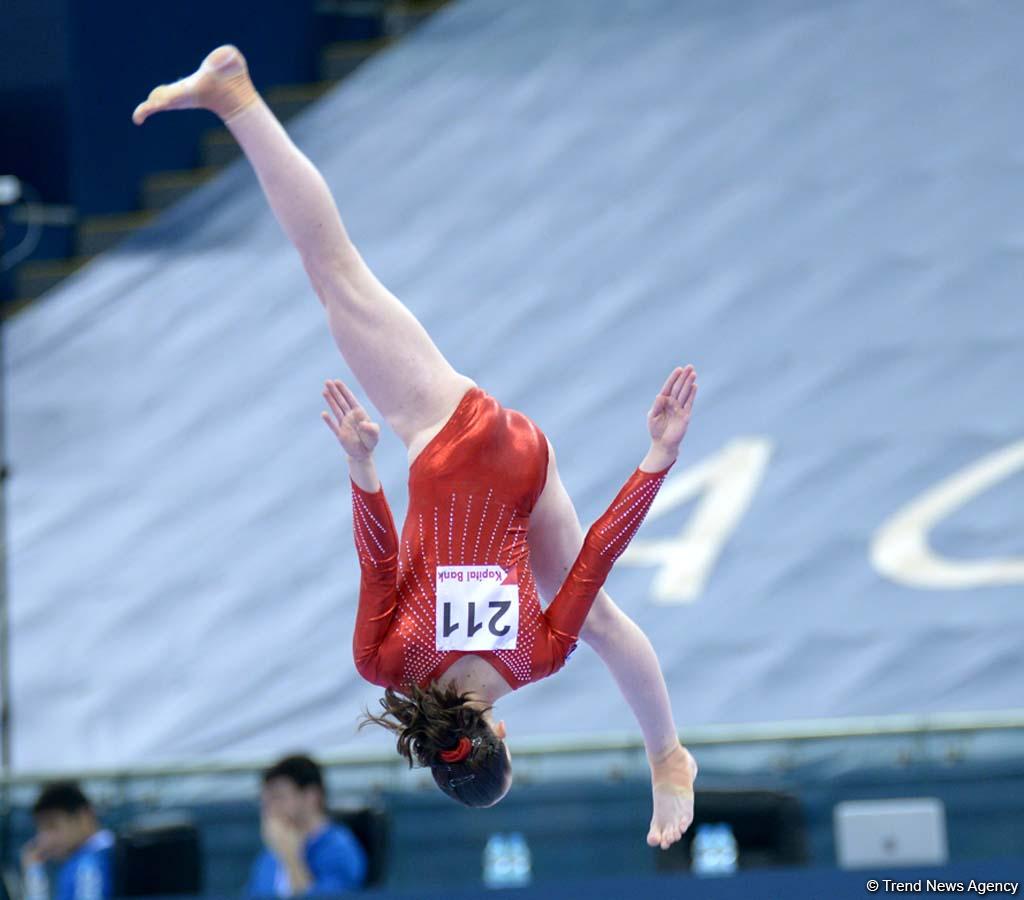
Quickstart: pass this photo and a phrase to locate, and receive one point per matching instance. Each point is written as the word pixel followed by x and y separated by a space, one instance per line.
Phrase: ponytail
pixel 436 727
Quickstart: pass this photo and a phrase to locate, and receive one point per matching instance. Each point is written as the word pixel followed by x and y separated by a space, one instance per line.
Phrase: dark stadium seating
pixel 155 857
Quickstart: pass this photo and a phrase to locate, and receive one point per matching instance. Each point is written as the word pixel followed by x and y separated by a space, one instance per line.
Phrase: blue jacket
pixel 336 860
pixel 88 873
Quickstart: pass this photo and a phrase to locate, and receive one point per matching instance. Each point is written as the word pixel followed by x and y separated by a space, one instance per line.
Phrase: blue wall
pixel 69 83
pixel 34 74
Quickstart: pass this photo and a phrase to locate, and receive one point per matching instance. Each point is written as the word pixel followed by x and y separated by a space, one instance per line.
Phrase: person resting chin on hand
pixel 69 833
pixel 305 852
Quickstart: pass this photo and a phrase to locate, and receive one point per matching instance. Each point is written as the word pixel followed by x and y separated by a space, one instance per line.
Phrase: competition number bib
pixel 477 608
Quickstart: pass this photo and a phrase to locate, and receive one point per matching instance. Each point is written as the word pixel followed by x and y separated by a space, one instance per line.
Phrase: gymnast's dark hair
pixel 429 722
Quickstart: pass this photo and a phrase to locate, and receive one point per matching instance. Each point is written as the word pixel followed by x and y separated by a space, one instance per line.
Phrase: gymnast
pixel 449 617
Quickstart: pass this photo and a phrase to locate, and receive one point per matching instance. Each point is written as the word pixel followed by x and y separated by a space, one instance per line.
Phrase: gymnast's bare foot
pixel 672 777
pixel 221 84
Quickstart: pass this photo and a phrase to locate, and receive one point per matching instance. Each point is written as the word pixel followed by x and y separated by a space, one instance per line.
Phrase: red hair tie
pixel 460 751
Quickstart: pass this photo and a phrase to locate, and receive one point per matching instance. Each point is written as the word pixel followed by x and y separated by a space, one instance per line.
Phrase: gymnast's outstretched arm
pixel 610 534
pixel 373 528
pixel 607 538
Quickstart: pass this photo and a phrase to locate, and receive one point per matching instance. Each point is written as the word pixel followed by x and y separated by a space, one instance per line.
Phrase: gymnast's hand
pixel 351 425
pixel 669 417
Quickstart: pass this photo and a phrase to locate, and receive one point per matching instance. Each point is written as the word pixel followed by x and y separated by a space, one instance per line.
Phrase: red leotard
pixel 471 491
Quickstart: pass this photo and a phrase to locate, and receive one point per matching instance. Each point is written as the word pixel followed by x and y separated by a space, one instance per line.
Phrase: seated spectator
pixel 305 852
pixel 68 832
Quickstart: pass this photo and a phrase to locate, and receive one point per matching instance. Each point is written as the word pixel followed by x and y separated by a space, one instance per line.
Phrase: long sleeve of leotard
pixel 377 545
pixel 607 538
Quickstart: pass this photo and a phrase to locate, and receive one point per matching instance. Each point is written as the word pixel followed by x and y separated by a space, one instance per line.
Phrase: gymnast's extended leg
pixel 390 353
pixel 556 537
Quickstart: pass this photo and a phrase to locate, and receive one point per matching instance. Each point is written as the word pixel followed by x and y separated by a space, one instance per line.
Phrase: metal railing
pixel 531 754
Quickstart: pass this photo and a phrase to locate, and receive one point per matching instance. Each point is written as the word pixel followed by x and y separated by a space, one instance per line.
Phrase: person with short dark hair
pixel 67 831
pixel 305 852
